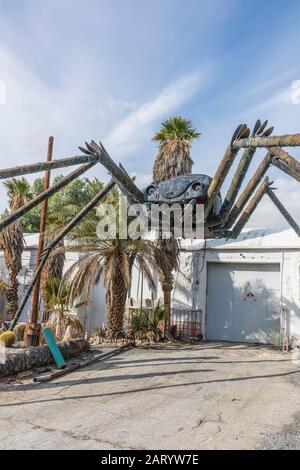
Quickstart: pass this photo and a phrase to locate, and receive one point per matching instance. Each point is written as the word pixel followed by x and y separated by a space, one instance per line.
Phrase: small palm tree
pixel 114 260
pixel 175 137
pixel 12 243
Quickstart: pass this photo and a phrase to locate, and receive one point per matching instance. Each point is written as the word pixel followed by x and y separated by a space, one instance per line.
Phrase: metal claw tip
pixel 95 146
pixel 85 151
pixel 262 128
pixel 237 132
pixel 268 132
pixel 256 127
pixel 245 133
pixel 89 147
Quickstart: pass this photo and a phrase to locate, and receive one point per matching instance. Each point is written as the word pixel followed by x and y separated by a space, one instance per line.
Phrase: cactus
pixel 7 338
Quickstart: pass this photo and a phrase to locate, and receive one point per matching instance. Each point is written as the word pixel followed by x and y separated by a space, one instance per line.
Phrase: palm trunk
pixel 116 304
pixel 53 270
pixel 167 287
pixel 11 294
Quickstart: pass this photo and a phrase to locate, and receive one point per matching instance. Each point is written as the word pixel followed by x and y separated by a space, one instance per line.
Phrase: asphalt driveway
pixel 207 396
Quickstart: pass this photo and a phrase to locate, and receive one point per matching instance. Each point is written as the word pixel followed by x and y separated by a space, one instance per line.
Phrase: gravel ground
pixel 206 396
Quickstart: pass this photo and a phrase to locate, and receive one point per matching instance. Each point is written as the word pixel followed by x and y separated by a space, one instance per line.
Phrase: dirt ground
pixel 206 396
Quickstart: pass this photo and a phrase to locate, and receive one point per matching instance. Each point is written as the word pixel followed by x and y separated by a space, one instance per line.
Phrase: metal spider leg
pixel 288 140
pixel 117 173
pixel 286 162
pixel 247 212
pixel 241 132
pixel 248 191
pixel 283 211
pixel 243 166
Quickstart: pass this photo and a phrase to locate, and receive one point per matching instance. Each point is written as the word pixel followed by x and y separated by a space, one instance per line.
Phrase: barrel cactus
pixel 7 338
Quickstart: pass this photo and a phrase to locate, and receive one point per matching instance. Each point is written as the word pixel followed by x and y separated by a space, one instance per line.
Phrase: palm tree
pixel 12 243
pixel 175 137
pixel 112 258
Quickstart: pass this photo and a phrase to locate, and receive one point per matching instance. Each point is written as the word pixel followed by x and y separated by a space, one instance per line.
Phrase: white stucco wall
pixel 190 292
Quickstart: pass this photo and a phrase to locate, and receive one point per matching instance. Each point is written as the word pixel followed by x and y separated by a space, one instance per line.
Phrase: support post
pixel 33 327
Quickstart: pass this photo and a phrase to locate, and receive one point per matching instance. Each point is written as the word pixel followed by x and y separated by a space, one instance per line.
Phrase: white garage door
pixel 243 302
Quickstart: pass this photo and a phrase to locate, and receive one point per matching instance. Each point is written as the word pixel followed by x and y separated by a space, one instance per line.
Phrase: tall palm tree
pixel 12 243
pixel 175 137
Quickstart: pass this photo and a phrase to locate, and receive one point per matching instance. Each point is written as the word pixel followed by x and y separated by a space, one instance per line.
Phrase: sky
pixel 112 70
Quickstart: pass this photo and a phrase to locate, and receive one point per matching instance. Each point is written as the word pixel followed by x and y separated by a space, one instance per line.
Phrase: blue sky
pixel 112 70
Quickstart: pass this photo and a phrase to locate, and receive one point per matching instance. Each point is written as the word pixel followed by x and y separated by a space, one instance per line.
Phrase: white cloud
pixel 282 97
pixel 136 128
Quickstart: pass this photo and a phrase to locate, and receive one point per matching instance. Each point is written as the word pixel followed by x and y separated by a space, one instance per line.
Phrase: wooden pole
pixel 33 329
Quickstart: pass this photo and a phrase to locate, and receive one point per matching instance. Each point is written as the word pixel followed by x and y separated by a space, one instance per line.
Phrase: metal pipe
pixel 79 365
pixel 56 241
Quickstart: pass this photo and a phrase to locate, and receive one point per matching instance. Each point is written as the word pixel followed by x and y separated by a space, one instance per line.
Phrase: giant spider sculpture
pixel 222 219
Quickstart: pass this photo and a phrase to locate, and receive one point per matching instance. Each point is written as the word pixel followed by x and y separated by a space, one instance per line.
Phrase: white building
pixel 236 290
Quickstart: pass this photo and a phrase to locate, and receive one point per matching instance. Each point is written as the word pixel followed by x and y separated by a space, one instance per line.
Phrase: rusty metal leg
pixel 288 140
pixel 286 162
pixel 283 211
pixel 248 211
pixel 248 191
pixel 243 166
pixel 224 168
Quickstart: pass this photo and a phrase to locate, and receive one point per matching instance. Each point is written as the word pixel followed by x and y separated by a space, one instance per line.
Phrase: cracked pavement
pixel 205 396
